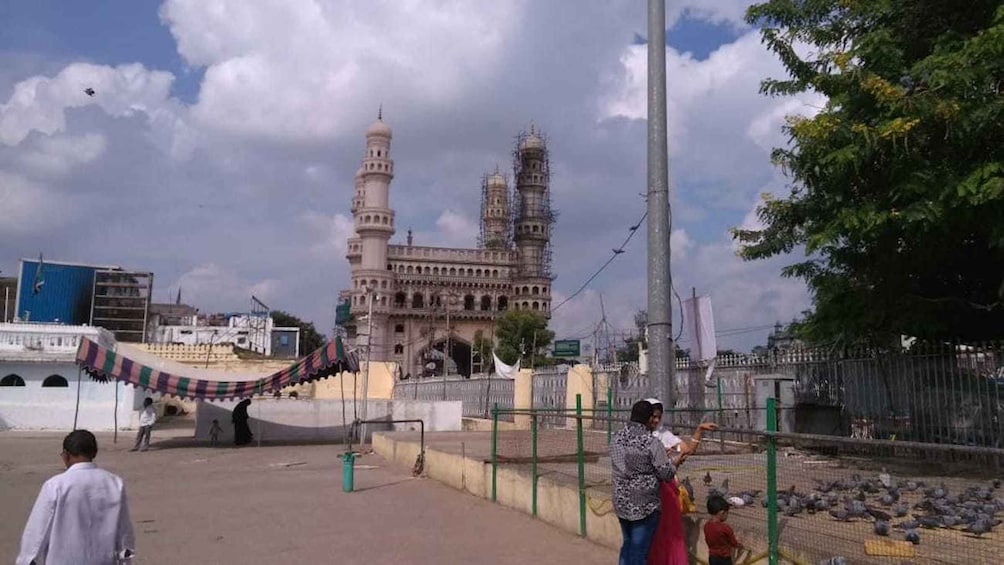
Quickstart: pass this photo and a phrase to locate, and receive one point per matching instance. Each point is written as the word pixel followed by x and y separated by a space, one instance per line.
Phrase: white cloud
pixel 224 288
pixel 457 229
pixel 721 130
pixel 40 103
pixel 57 155
pixel 27 206
pixel 289 70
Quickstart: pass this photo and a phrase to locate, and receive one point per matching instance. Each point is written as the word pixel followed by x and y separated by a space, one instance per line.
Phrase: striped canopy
pixel 141 369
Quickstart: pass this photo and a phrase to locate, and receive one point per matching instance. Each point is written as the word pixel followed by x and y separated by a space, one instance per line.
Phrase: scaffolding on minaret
pixel 531 167
pixel 496 218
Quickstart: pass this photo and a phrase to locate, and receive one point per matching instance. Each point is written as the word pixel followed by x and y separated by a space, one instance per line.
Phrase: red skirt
pixel 669 546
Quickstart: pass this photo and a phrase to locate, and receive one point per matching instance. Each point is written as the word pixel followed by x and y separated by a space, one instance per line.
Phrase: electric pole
pixel 662 362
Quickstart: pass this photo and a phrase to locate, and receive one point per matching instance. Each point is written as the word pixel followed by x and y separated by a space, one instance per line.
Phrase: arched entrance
pixel 459 358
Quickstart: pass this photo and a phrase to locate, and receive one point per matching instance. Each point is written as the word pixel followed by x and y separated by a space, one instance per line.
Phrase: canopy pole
pixel 115 415
pixel 259 412
pixel 76 409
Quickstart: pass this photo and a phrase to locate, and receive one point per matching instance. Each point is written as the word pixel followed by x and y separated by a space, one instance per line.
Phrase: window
pixel 503 303
pixel 536 290
pixel 284 340
pixel 12 380
pixel 55 381
pixel 486 303
pixel 399 300
pixel 398 349
pixel 417 301
pixel 469 302
pixel 399 329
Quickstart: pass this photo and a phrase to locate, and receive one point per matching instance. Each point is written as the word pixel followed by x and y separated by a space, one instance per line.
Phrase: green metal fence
pixel 807 499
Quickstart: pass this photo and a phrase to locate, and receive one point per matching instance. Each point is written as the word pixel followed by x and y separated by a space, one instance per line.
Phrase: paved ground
pixel 284 504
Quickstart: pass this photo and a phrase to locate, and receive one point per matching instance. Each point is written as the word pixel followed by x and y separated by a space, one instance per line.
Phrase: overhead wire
pixel 616 251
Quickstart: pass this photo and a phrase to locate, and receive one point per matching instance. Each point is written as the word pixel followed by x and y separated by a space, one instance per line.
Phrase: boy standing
pixel 718 535
pixel 147 418
pixel 214 432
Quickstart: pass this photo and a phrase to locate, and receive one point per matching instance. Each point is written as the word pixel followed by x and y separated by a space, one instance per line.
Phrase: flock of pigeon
pixel 884 502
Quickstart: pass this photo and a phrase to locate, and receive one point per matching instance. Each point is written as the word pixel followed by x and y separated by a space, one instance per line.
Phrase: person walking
pixel 147 418
pixel 81 516
pixel 240 417
pixel 639 465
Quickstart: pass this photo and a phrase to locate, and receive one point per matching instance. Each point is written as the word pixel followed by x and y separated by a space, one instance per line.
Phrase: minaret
pixel 374 225
pixel 532 224
pixel 495 212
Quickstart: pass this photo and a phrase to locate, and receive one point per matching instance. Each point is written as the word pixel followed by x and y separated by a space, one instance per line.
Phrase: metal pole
pixel 772 537
pixel 495 445
pixel 660 320
pixel 76 409
pixel 115 414
pixel 366 375
pixel 446 347
pixel 581 460
pixel 610 410
pixel 533 463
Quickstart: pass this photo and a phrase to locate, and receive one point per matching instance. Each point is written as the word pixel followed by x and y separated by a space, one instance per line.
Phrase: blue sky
pixel 237 140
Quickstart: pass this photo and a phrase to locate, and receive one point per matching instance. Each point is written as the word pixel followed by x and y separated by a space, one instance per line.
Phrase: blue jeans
pixel 638 536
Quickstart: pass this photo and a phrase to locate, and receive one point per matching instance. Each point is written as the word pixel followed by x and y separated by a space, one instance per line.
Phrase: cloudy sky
pixel 219 148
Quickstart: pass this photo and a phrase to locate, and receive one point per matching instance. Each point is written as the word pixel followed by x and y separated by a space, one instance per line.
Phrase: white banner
pixel 505 371
pixel 699 320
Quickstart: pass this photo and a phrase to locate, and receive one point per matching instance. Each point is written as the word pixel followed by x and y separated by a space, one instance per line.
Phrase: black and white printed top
pixel 639 464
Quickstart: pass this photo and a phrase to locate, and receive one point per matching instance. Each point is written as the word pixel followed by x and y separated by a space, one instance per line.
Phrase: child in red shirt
pixel 718 535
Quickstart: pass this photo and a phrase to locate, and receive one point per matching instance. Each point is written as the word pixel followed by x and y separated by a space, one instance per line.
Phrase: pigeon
pixel 929 522
pixel 878 514
pixel 979 527
pixel 900 509
pixel 996 483
pixel 912 536
pixel 885 479
pixel 881 528
pixel 89 91
pixel 834 561
pixel 908 525
pixel 707 478
pixel 841 515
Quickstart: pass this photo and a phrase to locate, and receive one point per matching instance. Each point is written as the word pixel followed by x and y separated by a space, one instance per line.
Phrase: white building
pixel 245 331
pixel 41 387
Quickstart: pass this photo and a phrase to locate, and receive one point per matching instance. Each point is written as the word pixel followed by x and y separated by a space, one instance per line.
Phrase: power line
pixel 616 251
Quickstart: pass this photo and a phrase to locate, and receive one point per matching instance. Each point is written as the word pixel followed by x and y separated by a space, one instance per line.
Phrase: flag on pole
pixel 505 371
pixel 39 282
pixel 178 299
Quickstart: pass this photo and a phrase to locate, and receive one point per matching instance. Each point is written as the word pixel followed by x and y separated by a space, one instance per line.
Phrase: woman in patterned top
pixel 639 465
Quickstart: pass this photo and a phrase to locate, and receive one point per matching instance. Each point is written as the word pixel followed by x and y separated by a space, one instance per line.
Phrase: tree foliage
pixel 898 182
pixel 522 333
pixel 310 339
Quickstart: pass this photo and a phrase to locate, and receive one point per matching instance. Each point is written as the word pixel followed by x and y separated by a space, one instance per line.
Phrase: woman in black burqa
pixel 242 431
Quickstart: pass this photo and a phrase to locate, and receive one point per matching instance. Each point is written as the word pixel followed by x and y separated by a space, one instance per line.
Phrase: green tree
pixel 310 339
pixel 522 330
pixel 898 182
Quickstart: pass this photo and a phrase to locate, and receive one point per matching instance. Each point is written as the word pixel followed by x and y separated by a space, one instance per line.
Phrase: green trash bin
pixel 348 471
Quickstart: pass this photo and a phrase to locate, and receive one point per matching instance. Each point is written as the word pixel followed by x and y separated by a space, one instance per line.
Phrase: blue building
pixel 56 292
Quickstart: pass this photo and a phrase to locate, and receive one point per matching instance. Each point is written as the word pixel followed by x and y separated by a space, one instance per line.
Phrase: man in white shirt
pixel 81 516
pixel 147 418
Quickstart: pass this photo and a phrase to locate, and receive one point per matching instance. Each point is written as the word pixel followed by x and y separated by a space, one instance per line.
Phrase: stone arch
pixel 55 381
pixel 12 380
pixel 486 303
pixel 503 303
pixel 469 302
